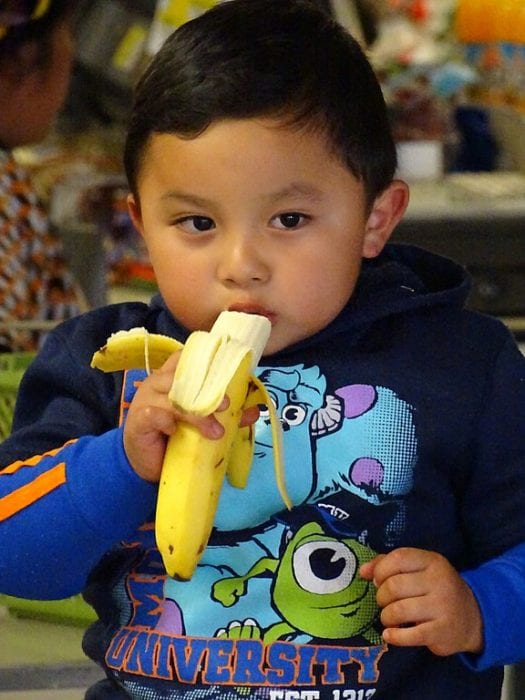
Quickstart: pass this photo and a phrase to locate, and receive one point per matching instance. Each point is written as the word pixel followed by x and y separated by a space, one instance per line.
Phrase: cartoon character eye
pixel 263 410
pixel 324 567
pixel 293 414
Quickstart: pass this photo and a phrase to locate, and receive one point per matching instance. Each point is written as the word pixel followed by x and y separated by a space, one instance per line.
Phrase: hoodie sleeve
pixel 67 491
pixel 499 588
pixel 494 512
pixel 62 510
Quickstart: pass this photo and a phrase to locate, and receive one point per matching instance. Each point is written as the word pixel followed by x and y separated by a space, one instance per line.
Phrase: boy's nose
pixel 242 262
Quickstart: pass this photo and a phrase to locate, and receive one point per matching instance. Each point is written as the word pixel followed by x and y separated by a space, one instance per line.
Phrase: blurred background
pixel 453 75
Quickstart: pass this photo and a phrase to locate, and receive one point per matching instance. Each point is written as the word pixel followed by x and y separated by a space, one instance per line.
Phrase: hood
pixel 405 277
pixel 402 278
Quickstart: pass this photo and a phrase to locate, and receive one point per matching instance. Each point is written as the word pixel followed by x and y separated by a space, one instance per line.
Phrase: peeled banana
pixel 212 364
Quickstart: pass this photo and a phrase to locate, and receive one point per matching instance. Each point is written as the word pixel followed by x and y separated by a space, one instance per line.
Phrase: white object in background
pixel 420 160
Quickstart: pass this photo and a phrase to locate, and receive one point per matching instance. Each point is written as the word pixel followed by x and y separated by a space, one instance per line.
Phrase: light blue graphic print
pixel 358 440
pixel 374 452
pixel 373 455
pixel 299 396
pixel 350 453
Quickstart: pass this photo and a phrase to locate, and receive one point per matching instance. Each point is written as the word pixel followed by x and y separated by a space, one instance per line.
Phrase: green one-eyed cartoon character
pixel 316 589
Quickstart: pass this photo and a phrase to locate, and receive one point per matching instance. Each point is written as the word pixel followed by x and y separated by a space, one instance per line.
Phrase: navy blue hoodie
pixel 403 425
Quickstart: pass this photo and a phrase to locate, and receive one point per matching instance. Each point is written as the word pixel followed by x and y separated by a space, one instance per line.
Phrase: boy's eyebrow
pixel 186 197
pixel 294 189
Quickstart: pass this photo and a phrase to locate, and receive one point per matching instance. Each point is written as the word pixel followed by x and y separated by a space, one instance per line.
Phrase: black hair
pixel 286 59
pixel 35 31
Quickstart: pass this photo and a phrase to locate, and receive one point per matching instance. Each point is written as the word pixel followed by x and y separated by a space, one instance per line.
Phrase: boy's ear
pixel 387 210
pixel 134 212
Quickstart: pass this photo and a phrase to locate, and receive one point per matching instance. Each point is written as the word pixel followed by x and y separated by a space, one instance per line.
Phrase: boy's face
pixel 252 216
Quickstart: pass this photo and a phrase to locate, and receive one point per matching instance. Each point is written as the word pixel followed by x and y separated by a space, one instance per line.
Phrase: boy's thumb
pixel 366 570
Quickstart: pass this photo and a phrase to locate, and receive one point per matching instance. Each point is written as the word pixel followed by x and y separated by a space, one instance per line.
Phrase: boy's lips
pixel 255 309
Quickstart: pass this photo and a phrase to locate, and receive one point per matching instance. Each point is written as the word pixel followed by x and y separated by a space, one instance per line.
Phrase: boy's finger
pixel 172 362
pixel 162 378
pixel 405 560
pixel 209 426
pixel 407 611
pixel 249 416
pixel 367 569
pixel 411 636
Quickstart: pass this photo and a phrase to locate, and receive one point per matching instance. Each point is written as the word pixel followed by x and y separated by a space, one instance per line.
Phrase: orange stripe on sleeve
pixel 33 461
pixel 28 494
pixel 124 405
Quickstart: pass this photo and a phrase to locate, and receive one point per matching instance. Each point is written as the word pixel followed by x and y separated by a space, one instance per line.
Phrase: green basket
pixel 12 367
pixel 72 610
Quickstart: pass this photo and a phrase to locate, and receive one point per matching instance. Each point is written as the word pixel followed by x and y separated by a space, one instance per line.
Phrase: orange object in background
pixel 475 21
pixel 493 32
pixel 487 21
pixel 419 10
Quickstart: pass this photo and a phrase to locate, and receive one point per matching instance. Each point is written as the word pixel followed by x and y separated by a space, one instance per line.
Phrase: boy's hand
pixel 151 419
pixel 425 602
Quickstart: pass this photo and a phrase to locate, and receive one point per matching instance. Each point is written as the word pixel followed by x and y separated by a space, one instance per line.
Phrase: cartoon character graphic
pixel 299 395
pixel 269 578
pixel 374 453
pixel 316 590
pixel 356 443
pixel 360 438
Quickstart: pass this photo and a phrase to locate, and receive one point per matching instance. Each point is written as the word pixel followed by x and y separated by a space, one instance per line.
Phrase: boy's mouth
pixel 255 309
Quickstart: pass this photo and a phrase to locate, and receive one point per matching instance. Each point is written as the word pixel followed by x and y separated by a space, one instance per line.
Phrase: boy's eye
pixel 290 220
pixel 193 224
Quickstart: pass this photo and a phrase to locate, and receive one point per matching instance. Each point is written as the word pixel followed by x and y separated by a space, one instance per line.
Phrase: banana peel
pixel 134 349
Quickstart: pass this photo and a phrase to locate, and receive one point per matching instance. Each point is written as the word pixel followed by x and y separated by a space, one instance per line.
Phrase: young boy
pixel 261 167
